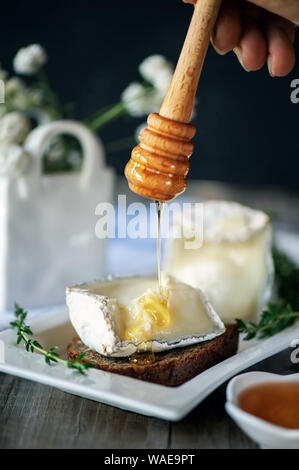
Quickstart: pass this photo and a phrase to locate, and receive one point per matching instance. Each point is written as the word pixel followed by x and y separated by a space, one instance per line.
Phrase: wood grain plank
pixel 132 431
pixel 36 416
pixel 209 427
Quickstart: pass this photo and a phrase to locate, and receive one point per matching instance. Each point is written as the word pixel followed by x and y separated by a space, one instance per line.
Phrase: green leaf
pixel 27 330
pixel 80 367
pixel 80 357
pixel 54 354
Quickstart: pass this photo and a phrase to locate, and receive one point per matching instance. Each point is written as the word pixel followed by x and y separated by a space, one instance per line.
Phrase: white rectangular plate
pixel 171 403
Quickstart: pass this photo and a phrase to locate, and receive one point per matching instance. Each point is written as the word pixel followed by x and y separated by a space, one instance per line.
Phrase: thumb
pixel 288 9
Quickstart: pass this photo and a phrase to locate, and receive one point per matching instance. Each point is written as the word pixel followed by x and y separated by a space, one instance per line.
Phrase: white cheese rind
pixel 98 319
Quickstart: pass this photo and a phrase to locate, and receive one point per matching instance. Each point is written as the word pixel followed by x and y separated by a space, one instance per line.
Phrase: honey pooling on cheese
pixel 150 315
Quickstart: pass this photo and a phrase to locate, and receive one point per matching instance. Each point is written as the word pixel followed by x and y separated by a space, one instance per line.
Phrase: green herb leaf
pixel 51 355
pixel 285 312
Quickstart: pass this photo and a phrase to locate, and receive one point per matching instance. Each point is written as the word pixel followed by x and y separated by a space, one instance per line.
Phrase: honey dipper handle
pixel 178 102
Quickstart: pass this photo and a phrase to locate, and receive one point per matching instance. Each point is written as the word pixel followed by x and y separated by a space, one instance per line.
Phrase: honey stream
pixel 148 357
pixel 159 208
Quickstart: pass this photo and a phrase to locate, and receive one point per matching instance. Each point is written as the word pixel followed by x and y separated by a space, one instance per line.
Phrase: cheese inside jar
pixel 233 266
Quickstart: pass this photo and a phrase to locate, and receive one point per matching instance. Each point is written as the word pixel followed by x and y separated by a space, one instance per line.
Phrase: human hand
pixel 258 31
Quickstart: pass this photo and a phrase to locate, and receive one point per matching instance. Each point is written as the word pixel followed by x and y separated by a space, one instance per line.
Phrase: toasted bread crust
pixel 172 367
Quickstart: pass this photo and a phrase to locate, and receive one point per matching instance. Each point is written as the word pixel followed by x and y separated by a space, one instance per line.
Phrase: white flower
pixel 158 71
pixel 133 99
pixel 30 59
pixel 13 128
pixel 15 93
pixel 13 160
pixel 162 80
pixel 138 102
pixel 21 97
pixel 134 91
pixel 14 85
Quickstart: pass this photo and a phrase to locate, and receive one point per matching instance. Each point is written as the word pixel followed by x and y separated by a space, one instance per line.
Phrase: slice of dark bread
pixel 172 367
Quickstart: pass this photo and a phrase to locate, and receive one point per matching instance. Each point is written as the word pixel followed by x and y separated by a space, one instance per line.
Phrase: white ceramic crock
pixel 47 222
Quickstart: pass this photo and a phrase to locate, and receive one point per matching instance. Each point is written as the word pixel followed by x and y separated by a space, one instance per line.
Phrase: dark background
pixel 247 125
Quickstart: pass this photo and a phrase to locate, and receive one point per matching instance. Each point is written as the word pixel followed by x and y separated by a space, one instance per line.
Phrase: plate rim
pixel 186 394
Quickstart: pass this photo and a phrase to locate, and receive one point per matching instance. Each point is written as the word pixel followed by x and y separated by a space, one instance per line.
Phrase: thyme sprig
pixel 275 318
pixel 283 313
pixel 51 355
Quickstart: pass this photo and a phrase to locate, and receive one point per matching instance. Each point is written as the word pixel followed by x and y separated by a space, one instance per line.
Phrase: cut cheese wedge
pixel 121 316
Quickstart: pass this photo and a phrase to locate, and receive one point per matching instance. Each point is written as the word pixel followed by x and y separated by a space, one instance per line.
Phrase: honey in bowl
pixel 275 402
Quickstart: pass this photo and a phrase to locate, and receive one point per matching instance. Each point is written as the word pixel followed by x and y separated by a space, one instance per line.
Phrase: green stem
pixel 32 345
pixel 112 113
pixel 265 327
pixel 41 350
pixel 98 113
pixel 49 94
pixel 102 117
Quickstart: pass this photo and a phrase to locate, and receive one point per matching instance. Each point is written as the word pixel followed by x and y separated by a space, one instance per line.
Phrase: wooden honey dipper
pixel 159 164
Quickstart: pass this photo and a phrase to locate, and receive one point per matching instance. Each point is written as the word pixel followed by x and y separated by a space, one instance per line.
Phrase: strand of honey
pixel 159 208
pixel 139 358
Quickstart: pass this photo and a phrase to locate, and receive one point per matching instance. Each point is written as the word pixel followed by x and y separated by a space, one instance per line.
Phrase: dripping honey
pixel 154 304
pixel 142 358
pixel 277 403
pixel 159 207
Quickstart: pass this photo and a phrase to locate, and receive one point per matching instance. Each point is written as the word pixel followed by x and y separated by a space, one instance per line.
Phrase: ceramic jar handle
pixel 92 148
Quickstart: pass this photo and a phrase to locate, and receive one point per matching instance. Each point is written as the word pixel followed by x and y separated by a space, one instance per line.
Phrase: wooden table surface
pixel 38 416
